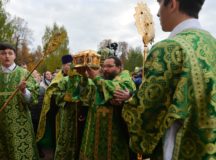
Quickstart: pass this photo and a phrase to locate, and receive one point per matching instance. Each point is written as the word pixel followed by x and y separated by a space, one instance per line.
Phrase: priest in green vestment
pixel 49 123
pixel 16 130
pixel 72 120
pixel 173 115
pixel 105 135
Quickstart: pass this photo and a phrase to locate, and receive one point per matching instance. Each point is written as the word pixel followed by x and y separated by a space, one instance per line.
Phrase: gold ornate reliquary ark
pixel 87 58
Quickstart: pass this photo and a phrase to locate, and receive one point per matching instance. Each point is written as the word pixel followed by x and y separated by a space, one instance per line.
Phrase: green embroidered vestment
pixel 105 135
pixel 179 85
pixel 17 139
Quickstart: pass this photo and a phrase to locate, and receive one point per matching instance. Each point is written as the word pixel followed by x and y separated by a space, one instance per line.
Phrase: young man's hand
pixel 22 86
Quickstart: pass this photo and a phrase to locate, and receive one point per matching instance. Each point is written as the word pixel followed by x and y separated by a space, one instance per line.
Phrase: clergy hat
pixel 66 59
pixel 4 46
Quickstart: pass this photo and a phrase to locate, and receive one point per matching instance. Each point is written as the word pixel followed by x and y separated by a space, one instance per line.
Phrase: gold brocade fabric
pixel 17 139
pixel 105 134
pixel 179 85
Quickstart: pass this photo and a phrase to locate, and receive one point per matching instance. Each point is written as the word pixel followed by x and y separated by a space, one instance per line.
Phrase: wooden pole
pixel 17 89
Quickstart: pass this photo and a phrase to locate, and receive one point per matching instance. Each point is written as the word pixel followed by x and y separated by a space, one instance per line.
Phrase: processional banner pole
pixel 145 27
pixel 54 42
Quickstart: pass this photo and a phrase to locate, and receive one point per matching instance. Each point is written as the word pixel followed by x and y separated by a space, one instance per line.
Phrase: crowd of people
pixel 165 110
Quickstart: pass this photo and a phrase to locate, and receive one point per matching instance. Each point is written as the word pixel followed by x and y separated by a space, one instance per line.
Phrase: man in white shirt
pixel 17 139
pixel 173 116
pixel 7 57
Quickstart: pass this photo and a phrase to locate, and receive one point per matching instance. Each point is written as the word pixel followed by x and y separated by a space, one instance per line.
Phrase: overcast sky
pixel 88 22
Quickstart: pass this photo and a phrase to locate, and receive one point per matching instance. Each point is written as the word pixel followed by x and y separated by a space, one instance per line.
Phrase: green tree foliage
pixel 53 60
pixel 135 59
pixel 6 25
pixel 16 32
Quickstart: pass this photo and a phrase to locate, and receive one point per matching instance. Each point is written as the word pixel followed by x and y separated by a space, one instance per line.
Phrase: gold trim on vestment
pixel 103 111
pixel 199 87
pixel 5 93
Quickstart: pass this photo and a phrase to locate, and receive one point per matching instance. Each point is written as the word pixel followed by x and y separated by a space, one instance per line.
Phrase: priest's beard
pixel 110 76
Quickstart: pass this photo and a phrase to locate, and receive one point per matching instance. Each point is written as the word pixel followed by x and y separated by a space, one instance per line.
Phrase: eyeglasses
pixel 108 66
